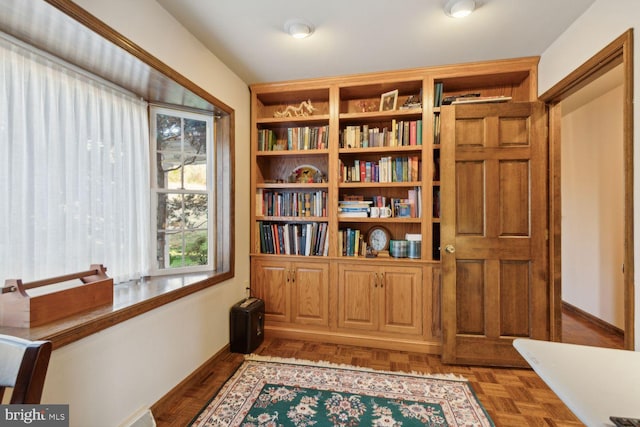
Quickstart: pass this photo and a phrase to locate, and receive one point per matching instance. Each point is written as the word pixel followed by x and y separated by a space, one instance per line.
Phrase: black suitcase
pixel 246 325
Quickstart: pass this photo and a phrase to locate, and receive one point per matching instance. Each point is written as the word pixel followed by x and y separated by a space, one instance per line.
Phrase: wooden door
pixel 357 297
pixel 401 302
pixel 271 284
pixel 310 293
pixel 493 236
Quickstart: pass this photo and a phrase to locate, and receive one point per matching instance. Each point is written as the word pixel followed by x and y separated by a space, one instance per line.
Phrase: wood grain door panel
pixel 357 298
pixel 494 219
pixel 272 286
pixel 401 306
pixel 310 299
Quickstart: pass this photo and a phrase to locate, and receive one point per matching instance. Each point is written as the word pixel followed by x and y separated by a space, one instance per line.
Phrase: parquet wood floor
pixel 512 397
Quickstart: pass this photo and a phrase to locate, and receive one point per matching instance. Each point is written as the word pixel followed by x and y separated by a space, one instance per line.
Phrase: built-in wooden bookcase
pixel 365 153
pixel 290 165
pixel 380 158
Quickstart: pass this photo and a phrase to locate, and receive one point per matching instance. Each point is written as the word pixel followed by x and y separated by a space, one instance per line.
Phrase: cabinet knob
pixel 449 249
pixel 293 276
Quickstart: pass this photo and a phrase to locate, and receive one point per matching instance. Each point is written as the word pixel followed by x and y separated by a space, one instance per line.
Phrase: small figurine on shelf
pixel 371 253
pixel 319 177
pixel 366 106
pixel 413 101
pixel 303 110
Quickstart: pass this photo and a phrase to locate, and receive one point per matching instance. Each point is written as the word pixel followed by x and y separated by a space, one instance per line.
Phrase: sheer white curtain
pixel 74 171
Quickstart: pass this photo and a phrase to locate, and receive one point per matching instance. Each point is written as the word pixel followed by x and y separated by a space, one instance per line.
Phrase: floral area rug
pixel 271 392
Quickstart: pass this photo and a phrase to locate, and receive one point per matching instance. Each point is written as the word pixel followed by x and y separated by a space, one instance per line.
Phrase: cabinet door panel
pixel 357 302
pixel 271 285
pixel 401 308
pixel 310 294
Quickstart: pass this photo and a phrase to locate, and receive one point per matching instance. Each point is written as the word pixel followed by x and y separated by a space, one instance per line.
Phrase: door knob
pixel 449 249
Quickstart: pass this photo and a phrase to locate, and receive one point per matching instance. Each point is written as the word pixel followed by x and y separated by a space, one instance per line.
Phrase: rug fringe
pixel 326 364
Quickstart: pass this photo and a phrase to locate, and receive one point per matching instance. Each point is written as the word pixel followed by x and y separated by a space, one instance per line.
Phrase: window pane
pixel 170 170
pixel 170 212
pixel 195 137
pixel 182 249
pixel 195 174
pixel 196 248
pixel 169 133
pixel 182 211
pixel 195 210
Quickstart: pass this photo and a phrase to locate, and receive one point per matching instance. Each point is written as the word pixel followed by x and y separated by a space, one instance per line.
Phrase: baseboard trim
pixel 371 341
pixel 592 319
pixel 195 377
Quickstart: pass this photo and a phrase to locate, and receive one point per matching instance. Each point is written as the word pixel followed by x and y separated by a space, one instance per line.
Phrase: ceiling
pixel 362 36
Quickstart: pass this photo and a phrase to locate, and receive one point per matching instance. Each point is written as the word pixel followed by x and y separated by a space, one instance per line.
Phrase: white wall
pixel 593 207
pixel 603 22
pixel 111 375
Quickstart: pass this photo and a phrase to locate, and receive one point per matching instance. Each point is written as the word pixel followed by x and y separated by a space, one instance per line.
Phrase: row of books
pixel 401 133
pixel 387 169
pixel 409 207
pixel 308 239
pixel 294 138
pixel 351 242
pixel 291 203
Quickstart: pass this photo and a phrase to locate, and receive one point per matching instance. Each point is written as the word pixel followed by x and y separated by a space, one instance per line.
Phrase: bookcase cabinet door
pixel 271 284
pixel 293 292
pixel 401 300
pixel 385 299
pixel 357 297
pixel 310 293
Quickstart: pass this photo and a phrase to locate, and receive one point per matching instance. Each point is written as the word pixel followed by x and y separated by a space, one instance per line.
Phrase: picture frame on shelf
pixel 389 100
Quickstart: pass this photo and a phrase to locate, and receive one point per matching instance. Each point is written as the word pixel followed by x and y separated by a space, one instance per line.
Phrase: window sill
pixel 129 300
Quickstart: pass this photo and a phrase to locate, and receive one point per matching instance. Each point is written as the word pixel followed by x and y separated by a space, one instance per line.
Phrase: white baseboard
pixel 143 418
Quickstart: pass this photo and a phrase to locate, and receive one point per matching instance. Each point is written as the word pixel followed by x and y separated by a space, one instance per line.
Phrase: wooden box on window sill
pixel 19 309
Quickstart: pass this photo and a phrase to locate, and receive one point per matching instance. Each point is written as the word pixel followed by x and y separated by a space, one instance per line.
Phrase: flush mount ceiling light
pixel 298 28
pixel 459 8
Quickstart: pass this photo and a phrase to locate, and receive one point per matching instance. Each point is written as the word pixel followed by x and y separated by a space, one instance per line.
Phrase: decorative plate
pixel 305 174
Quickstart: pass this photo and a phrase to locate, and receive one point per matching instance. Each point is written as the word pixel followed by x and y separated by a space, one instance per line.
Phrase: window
pixel 86 180
pixel 182 190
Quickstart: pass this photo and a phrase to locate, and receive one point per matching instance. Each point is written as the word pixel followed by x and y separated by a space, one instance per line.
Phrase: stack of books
pixel 353 208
